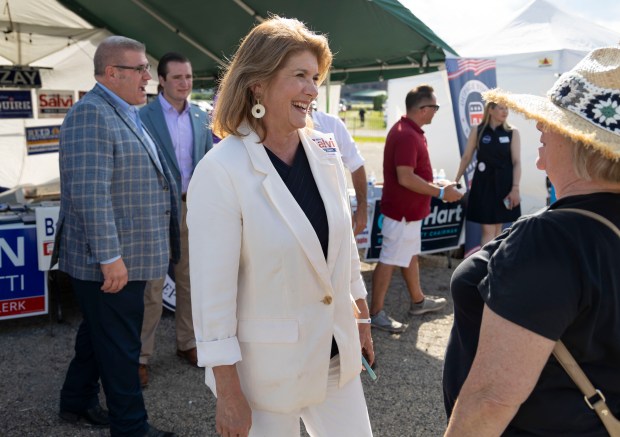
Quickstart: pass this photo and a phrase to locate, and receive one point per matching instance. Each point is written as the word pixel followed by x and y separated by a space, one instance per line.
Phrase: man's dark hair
pixel 162 67
pixel 417 95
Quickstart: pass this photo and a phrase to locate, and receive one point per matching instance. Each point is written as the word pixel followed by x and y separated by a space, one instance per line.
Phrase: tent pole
pixel 178 31
pixel 18 35
pixel 249 10
pixel 327 84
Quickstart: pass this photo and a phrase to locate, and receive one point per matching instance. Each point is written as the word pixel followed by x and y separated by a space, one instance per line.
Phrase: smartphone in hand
pixel 371 372
pixel 507 203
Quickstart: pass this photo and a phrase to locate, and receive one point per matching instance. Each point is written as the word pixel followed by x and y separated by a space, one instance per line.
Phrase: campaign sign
pixel 441 229
pixel 17 76
pixel 169 292
pixel 42 139
pixel 468 79
pixel 54 103
pixel 47 218
pixel 15 104
pixel 23 289
pixel 376 237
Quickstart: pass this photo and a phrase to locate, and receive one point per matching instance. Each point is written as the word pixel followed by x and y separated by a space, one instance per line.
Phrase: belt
pixel 184 197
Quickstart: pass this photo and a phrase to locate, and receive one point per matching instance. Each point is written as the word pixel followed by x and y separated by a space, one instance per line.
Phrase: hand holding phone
pixel 507 203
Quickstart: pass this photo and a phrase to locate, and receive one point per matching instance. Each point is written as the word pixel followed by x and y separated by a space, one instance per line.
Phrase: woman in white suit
pixel 278 300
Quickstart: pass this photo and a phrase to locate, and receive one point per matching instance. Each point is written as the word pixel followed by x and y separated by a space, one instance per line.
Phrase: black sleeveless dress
pixel 492 179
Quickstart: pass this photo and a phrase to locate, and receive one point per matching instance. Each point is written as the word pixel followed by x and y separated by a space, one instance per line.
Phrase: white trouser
pixel 343 413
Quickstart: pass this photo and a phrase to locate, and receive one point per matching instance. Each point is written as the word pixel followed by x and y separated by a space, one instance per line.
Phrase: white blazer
pixel 263 295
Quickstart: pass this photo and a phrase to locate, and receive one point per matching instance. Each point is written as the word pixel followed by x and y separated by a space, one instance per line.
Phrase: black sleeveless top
pixel 299 180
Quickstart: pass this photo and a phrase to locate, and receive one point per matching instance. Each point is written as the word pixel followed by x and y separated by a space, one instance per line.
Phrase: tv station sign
pixel 16 76
pixel 23 289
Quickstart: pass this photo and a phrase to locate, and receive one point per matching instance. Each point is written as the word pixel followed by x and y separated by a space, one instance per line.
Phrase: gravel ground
pixel 405 401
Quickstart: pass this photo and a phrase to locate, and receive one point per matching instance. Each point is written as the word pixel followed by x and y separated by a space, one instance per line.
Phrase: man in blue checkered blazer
pixel 118 228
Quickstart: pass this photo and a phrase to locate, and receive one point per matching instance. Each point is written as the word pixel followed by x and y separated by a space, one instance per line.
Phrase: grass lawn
pixel 362 139
pixel 373 119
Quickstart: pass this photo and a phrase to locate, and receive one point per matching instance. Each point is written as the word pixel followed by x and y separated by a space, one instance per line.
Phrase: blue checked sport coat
pixel 116 199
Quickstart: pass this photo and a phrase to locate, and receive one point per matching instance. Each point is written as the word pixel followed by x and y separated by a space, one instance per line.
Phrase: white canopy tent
pixel 34 29
pixel 42 33
pixel 531 51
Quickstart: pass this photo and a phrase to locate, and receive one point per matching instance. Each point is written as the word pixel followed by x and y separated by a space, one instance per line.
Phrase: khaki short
pixel 401 241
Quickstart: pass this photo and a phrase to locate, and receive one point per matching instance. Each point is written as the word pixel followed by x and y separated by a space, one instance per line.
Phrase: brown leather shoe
pixel 190 355
pixel 143 371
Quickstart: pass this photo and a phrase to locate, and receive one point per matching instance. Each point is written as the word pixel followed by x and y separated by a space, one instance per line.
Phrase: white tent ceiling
pixel 34 29
pixel 64 45
pixel 539 26
pixel 530 51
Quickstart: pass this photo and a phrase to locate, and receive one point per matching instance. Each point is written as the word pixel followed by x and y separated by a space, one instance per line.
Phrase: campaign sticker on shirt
pixel 482 166
pixel 327 144
pixel 504 140
pixel 486 139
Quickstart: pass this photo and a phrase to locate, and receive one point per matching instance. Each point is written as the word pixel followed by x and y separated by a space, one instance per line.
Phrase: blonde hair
pixel 259 57
pixel 486 119
pixel 590 164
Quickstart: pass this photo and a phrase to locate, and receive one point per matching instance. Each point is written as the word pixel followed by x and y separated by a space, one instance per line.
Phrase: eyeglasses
pixel 140 68
pixel 435 107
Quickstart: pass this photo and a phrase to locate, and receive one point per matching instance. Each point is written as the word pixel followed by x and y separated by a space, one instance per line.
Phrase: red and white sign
pixel 54 103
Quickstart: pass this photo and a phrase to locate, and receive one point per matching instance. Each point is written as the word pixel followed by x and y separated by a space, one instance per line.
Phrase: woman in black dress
pixel 494 194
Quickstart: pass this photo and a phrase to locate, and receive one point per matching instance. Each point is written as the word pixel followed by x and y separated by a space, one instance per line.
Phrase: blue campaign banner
pixel 468 79
pixel 15 104
pixel 22 284
pixel 19 76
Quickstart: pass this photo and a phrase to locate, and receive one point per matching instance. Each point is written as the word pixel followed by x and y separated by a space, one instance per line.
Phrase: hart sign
pixel 23 291
pixel 441 230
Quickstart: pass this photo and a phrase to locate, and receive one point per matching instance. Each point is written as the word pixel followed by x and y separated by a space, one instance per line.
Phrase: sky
pixel 470 18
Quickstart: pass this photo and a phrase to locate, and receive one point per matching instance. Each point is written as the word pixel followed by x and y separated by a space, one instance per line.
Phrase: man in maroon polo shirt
pixel 407 190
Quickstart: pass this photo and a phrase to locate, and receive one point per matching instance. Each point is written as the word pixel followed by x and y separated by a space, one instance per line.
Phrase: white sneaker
pixel 382 321
pixel 428 305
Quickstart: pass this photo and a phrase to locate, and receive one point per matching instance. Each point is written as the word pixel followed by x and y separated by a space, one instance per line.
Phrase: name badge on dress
pixel 504 140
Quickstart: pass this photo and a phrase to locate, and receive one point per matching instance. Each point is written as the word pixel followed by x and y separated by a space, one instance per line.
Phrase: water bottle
pixel 441 174
pixel 371 185
pixel 435 176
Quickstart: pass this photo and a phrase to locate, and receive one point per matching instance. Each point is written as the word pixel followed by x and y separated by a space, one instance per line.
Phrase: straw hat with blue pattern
pixel 583 104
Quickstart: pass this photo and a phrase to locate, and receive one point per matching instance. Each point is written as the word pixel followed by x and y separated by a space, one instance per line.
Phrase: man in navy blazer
pixel 181 130
pixel 118 228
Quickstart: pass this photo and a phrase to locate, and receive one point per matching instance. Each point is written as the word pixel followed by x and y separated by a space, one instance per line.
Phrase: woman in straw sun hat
pixel 551 276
